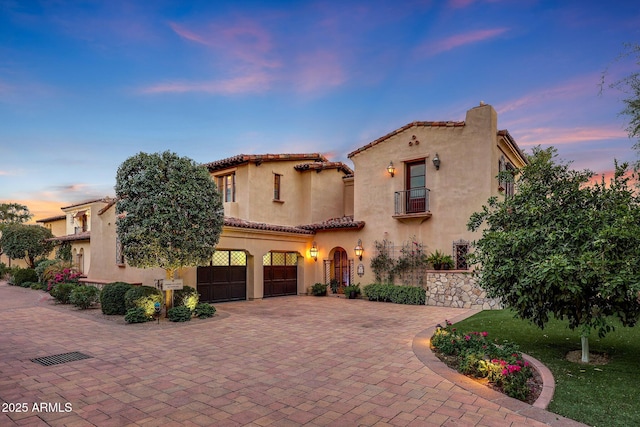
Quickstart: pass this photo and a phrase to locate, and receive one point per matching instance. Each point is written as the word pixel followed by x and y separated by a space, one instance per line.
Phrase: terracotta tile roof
pixel 102 199
pixel 52 218
pixel 319 166
pixel 241 159
pixel 404 128
pixel 242 223
pixel 72 237
pixel 345 222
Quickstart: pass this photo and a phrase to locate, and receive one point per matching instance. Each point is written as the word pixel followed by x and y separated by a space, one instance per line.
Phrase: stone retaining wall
pixel 457 289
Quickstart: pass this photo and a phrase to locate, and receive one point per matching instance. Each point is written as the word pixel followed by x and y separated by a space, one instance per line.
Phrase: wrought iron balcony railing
pixel 412 201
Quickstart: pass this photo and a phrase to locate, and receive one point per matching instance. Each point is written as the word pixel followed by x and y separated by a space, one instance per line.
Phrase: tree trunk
pixel 584 339
pixel 168 295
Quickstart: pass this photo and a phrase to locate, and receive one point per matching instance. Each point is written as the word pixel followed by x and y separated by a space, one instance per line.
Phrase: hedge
pixel 397 294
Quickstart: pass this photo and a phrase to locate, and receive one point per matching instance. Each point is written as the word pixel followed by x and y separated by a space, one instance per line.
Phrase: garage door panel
pixel 220 283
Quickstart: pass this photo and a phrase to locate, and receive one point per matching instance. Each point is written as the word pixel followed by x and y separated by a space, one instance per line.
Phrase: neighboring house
pixel 292 220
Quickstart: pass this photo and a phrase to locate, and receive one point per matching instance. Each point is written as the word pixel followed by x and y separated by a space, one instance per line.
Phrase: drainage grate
pixel 57 359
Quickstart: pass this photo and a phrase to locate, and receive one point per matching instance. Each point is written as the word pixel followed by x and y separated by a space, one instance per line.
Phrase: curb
pixel 537 411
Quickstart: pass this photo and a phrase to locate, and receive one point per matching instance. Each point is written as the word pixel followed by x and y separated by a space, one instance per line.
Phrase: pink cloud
pixel 459 40
pixel 318 70
pixel 245 84
pixel 187 34
pixel 564 136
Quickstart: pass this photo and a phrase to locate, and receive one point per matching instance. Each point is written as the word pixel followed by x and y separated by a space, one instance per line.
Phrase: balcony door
pixel 416 187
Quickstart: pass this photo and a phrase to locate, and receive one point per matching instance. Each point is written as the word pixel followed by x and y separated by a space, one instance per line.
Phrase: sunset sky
pixel 86 84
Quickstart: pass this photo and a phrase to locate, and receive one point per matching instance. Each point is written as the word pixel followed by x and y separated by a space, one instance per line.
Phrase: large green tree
pixel 26 241
pixel 12 213
pixel 169 212
pixel 563 247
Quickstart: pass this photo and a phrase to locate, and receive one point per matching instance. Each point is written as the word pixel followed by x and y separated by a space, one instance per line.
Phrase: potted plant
pixel 319 290
pixel 440 261
pixel 352 291
pixel 334 284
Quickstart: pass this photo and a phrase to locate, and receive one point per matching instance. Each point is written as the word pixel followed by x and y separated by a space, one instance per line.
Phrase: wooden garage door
pixel 225 279
pixel 280 274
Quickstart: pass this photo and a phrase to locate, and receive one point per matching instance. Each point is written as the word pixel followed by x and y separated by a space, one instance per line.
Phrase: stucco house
pixel 292 220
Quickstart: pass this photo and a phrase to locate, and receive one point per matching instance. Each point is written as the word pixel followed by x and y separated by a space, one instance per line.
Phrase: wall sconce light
pixel 436 161
pixel 314 252
pixel 359 249
pixel 391 169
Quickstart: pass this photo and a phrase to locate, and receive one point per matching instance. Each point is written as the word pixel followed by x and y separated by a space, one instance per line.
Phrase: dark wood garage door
pixel 280 274
pixel 225 279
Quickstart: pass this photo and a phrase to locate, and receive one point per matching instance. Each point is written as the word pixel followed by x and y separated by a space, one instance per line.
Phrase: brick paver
pixel 287 361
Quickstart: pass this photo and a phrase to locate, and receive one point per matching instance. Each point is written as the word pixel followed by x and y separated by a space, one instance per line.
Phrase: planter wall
pixel 458 289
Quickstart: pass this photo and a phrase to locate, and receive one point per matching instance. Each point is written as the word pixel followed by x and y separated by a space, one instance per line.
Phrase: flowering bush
pixel 475 355
pixel 55 274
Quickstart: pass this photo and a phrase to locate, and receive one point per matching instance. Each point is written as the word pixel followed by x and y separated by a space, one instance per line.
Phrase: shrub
pixel 319 289
pixel 84 296
pixel 24 275
pixel 187 296
pixel 477 356
pixel 397 294
pixel 62 292
pixel 143 297
pixel 58 273
pixel 136 315
pixel 42 267
pixel 36 286
pixel 180 313
pixel 3 270
pixel 204 310
pixel 112 298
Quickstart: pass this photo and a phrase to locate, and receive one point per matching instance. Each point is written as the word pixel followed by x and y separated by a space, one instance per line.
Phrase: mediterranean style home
pixel 292 220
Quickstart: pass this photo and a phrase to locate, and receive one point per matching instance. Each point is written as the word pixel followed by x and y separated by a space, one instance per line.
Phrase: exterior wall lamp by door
pixel 436 161
pixel 391 169
pixel 359 249
pixel 313 252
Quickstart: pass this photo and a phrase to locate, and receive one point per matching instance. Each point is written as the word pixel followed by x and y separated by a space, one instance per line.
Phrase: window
pixel 227 187
pixel 276 186
pixel 119 252
pixel 506 183
pixel 416 187
pixel 460 253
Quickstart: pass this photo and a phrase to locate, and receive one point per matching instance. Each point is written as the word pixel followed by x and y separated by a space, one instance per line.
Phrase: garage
pixel 225 279
pixel 280 274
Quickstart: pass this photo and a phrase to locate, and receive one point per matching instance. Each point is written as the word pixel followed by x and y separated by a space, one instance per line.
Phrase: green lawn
pixel 605 395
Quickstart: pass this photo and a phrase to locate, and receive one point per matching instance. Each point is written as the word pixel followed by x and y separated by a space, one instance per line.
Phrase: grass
pixel 603 395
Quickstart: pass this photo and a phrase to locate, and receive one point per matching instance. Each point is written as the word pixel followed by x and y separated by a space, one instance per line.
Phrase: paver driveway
pixel 278 362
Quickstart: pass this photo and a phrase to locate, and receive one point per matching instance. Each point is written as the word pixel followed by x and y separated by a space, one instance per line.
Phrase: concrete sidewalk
pixel 287 361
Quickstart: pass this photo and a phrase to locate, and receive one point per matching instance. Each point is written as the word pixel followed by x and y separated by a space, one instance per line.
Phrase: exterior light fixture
pixel 391 169
pixel 436 161
pixel 314 251
pixel 359 249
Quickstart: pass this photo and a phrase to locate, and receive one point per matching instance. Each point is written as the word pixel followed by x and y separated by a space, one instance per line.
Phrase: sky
pixel 84 85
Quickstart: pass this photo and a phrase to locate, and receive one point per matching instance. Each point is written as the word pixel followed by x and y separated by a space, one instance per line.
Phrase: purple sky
pixel 85 85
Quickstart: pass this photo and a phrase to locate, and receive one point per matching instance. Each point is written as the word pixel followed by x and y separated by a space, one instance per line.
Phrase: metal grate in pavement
pixel 57 359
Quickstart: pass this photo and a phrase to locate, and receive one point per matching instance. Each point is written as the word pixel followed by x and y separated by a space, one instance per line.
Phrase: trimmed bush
pixel 112 298
pixel 136 315
pixel 187 296
pixel 42 266
pixel 36 286
pixel 143 297
pixel 24 275
pixel 180 313
pixel 3 270
pixel 397 294
pixel 204 310
pixel 62 292
pixel 84 296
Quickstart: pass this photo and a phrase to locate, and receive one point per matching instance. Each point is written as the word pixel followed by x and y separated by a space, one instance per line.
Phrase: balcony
pixel 412 205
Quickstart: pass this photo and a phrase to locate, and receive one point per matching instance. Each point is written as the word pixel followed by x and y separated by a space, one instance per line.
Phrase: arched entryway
pixel 339 269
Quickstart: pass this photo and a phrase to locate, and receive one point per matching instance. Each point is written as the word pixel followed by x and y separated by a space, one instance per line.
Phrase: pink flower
pixel 484 334
pixel 467 337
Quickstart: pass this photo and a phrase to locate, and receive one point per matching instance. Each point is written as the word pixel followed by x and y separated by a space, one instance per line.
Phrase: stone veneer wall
pixel 457 289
